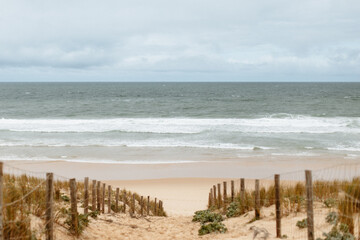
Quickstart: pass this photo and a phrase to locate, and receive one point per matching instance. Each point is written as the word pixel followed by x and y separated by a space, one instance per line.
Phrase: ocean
pixel 99 122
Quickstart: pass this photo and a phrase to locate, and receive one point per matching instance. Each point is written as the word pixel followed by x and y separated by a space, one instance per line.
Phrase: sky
pixel 179 40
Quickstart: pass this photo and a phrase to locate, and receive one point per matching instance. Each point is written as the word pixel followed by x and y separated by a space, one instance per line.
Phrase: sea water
pixel 98 121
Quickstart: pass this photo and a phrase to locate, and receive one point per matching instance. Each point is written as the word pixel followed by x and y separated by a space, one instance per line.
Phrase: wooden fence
pixel 94 200
pixel 221 199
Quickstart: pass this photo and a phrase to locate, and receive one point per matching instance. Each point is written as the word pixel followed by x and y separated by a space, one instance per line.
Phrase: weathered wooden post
pixel 148 206
pixel 86 195
pixel 232 190
pixel 117 200
pixel 225 195
pixel 242 190
pixel 93 194
pixel 211 201
pixel 310 210
pixel 277 206
pixel 49 226
pixel 214 192
pixel 1 201
pixel 160 207
pixel 74 212
pixel 257 199
pixel 98 195
pixel 219 195
pixel 109 199
pixel 142 205
pixel 155 207
pixel 103 198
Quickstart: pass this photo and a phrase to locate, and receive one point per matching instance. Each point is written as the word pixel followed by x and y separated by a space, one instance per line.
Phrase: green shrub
pixel 212 227
pixel 233 210
pixel 83 222
pixel 205 216
pixel 65 198
pixel 338 233
pixel 332 218
pixel 330 202
pixel 94 214
pixel 302 223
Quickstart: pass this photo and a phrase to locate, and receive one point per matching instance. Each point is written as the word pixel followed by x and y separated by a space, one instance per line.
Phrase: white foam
pixel 270 124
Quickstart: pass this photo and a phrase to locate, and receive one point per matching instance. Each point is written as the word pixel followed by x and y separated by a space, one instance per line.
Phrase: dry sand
pixel 121 226
pixel 181 197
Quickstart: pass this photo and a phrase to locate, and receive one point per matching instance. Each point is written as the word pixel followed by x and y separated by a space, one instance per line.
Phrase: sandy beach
pixel 183 187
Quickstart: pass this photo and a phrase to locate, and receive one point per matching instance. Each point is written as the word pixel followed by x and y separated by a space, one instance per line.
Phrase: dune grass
pixel 24 199
pixel 342 196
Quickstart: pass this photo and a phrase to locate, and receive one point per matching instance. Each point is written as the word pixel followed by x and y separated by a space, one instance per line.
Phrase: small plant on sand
pixel 330 202
pixel 82 222
pixel 205 216
pixel 94 214
pixel 233 210
pixel 65 198
pixel 338 232
pixel 332 218
pixel 302 223
pixel 210 222
pixel 212 227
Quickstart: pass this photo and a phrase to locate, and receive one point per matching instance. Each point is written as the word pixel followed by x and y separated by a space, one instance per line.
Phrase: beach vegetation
pixel 205 216
pixel 210 222
pixel 302 223
pixel 233 210
pixel 217 227
pixel 339 231
pixel 24 201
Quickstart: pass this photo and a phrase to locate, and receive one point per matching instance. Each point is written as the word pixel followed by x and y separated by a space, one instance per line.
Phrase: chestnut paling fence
pixel 300 205
pixel 32 203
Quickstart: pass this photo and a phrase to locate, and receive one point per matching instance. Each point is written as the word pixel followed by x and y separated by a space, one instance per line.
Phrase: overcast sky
pixel 180 40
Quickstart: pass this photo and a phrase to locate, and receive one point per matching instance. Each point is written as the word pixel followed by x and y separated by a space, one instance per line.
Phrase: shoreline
pixel 249 168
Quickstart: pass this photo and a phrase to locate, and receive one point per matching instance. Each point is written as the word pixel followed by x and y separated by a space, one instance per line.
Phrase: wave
pixel 142 144
pixel 276 123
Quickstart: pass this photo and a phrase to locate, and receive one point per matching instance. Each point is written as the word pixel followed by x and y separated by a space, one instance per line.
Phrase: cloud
pixel 232 40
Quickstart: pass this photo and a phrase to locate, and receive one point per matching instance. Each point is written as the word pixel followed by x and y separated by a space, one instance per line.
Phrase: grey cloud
pixel 121 40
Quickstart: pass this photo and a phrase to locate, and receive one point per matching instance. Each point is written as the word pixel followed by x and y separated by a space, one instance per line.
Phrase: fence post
pixel 219 195
pixel 74 213
pixel 225 194
pixel 98 196
pixel 103 198
pixel 309 198
pixel 109 199
pixel 277 206
pixel 117 200
pixel 142 205
pixel 214 192
pixel 86 195
pixel 148 206
pixel 93 193
pixel 1 201
pixel 155 206
pixel 257 199
pixel 211 200
pixel 49 227
pixel 232 190
pixel 242 190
